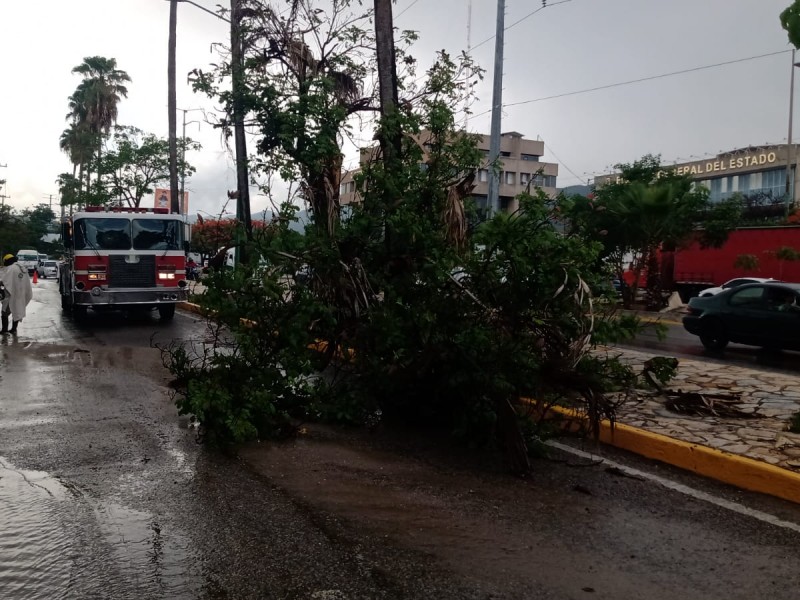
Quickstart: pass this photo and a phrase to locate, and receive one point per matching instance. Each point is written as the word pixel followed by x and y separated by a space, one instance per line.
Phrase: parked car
pixel 732 283
pixel 757 314
pixel 47 268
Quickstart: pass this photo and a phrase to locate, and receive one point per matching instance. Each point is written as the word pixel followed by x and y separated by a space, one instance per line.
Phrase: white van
pixel 29 259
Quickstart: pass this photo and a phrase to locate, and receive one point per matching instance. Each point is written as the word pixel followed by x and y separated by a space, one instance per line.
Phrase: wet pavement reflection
pixel 34 547
pixel 59 543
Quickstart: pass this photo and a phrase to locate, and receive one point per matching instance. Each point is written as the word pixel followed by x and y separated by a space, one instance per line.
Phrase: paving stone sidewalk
pixel 772 397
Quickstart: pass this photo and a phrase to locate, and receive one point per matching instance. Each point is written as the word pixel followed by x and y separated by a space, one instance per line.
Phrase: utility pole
pixel 172 107
pixel 390 139
pixel 790 154
pixel 492 198
pixel 237 82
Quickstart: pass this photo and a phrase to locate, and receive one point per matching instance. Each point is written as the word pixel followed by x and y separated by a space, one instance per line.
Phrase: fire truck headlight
pixel 164 275
pixel 97 276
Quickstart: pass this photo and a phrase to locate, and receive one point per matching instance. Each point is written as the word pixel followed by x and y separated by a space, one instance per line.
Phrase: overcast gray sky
pixel 564 48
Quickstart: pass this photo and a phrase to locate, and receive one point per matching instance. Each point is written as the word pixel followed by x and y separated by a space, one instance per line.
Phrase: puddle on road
pixel 55 542
pixel 34 548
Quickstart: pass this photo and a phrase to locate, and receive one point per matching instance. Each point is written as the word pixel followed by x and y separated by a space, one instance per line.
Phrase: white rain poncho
pixel 18 290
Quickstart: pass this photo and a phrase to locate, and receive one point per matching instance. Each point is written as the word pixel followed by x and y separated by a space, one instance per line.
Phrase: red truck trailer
pixel 691 269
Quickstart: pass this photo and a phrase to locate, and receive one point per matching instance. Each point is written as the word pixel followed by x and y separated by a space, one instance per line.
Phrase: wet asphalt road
pixel 682 344
pixel 105 494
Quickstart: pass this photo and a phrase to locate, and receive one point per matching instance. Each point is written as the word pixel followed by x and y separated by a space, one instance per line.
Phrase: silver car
pixel 47 268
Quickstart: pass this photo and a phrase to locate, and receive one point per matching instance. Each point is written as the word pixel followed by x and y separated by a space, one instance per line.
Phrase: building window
pixel 550 181
pixel 538 180
pixel 510 178
pixel 531 157
pixel 483 175
pixel 505 154
pixel 524 178
pixel 744 183
pixel 716 190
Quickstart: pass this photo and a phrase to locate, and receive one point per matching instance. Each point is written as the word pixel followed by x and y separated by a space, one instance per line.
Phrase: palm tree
pixel 95 101
pixel 77 142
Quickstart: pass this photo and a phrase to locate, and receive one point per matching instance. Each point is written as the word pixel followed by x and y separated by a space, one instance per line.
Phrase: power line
pixel 640 80
pixel 398 15
pixel 515 23
pixel 561 162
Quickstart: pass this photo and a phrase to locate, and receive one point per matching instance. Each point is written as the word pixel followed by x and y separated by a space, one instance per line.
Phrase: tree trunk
pixel 99 176
pixel 172 107
pixel 237 89
pixel 510 437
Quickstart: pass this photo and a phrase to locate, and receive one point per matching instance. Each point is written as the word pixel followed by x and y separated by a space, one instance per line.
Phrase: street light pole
pixel 3 191
pixel 237 78
pixel 791 155
pixel 172 107
pixel 184 207
pixel 493 194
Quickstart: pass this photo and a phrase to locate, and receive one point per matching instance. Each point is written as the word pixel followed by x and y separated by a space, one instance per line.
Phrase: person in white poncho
pixel 18 293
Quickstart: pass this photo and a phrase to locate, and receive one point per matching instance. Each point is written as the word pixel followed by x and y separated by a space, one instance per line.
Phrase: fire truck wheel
pixel 166 311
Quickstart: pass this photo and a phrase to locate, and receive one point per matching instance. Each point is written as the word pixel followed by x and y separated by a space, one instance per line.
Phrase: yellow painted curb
pixel 661 320
pixel 190 307
pixel 740 471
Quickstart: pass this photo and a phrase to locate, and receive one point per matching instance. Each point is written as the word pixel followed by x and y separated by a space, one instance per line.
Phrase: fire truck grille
pixel 123 274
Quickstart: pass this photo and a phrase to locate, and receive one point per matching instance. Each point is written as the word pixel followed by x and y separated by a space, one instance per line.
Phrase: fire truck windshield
pixel 122 234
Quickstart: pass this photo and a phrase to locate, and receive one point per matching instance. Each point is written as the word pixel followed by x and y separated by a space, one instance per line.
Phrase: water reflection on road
pixel 35 550
pixel 57 542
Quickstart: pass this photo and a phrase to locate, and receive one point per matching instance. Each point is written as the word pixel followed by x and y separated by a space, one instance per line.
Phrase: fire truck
pixel 123 258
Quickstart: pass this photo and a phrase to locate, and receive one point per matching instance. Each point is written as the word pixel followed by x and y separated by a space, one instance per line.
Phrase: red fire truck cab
pixel 123 259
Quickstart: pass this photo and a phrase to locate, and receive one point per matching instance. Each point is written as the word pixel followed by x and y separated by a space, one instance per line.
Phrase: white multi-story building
pixel 522 166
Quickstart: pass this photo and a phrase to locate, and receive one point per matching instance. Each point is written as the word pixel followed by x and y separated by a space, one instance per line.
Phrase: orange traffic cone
pixel 35 276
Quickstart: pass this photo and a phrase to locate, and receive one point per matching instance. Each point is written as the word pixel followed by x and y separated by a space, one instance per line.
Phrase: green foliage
pixel 787 253
pixel 413 317
pixel 660 370
pixel 93 108
pixel 648 208
pixel 746 262
pixel 790 21
pixel 136 161
pixel 25 229
pixel 794 423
